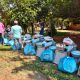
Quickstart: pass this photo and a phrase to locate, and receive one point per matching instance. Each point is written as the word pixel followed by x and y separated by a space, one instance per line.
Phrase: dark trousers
pixel 1 39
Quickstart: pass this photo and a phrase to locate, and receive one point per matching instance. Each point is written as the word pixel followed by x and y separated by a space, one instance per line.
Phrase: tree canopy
pixel 28 11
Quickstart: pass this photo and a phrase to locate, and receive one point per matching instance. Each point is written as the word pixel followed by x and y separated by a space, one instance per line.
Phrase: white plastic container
pixel 40 48
pixel 58 55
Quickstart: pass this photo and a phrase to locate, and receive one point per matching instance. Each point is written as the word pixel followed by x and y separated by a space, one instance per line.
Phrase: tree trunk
pixel 53 30
pixel 32 28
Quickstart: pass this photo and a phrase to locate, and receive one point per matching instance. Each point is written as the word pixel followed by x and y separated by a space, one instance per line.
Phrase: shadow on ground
pixel 45 69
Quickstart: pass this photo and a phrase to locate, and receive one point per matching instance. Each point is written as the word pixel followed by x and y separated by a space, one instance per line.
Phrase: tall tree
pixel 27 11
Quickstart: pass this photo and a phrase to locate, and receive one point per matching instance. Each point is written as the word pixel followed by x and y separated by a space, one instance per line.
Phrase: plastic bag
pixel 68 41
pixel 11 42
pixel 47 44
pixel 29 49
pixel 47 55
pixel 39 44
pixel 27 37
pixel 28 41
pixel 37 36
pixel 67 64
pixel 52 48
pixel 5 41
pixel 48 38
pixel 69 48
pixel 16 46
pixel 22 37
pixel 35 40
pixel 41 39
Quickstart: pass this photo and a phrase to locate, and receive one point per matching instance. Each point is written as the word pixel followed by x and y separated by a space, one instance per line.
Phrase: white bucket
pixel 58 55
pixel 40 49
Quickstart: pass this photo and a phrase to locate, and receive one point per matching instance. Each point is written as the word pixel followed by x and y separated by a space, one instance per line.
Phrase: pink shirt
pixel 2 28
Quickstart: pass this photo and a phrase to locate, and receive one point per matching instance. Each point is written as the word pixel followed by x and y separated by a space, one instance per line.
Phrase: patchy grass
pixel 58 34
pixel 4 48
pixel 48 69
pixel 61 33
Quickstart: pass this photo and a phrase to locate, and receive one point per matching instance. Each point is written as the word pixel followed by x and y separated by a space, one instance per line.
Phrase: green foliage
pixel 61 33
pixel 29 11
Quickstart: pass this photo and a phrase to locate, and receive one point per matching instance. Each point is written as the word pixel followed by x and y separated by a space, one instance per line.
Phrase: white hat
pixel 15 21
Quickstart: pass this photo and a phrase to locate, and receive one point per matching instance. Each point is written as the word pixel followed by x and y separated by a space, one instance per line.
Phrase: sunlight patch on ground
pixel 69 31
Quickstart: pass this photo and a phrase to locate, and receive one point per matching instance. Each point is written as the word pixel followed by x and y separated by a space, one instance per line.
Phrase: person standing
pixel 42 28
pixel 16 31
pixel 2 29
pixel 8 30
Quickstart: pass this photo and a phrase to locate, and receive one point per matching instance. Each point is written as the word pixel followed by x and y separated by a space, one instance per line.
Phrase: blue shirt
pixel 16 31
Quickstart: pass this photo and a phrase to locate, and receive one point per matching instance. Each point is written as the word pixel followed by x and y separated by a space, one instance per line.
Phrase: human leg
pixel 1 39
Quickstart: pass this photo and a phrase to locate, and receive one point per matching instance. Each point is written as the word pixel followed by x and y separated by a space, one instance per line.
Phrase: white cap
pixel 15 21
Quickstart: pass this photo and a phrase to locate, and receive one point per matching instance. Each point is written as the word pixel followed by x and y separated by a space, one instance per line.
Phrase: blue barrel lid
pixel 75 53
pixel 52 47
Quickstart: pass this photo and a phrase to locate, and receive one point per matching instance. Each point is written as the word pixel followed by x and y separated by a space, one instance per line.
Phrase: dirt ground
pixel 75 38
pixel 74 35
pixel 9 61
